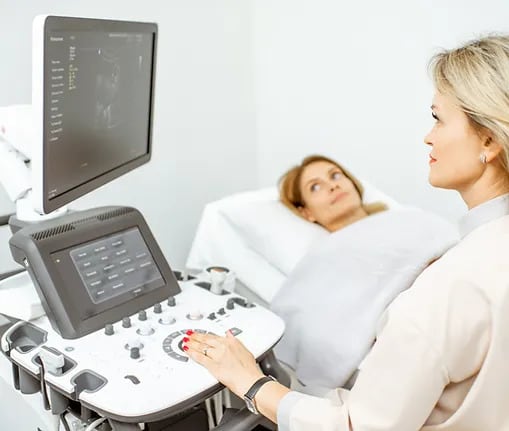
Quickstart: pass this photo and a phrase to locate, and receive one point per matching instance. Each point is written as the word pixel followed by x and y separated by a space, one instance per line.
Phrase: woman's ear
pixel 306 214
pixel 491 147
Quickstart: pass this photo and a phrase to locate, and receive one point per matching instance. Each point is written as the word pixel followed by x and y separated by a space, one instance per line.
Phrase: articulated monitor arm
pixel 14 171
pixel 16 141
pixel 15 177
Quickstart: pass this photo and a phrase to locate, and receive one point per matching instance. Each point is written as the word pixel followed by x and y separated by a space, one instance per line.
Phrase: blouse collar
pixel 484 213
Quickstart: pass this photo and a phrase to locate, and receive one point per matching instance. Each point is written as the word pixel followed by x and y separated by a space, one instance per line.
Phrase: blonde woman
pixel 323 192
pixel 441 359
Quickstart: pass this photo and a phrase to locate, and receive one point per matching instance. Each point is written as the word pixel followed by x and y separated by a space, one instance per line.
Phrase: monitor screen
pixel 93 100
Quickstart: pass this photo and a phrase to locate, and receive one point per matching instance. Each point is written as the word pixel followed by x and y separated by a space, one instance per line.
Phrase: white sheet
pixel 333 299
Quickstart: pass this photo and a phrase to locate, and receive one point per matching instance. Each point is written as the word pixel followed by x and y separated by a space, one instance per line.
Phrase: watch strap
pixel 251 392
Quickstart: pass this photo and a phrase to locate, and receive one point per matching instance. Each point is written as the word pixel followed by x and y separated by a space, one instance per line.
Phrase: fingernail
pixel 185 339
pixel 189 332
pixel 185 348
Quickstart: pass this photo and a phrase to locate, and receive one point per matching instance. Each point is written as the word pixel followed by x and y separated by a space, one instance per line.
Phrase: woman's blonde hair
pixel 290 191
pixel 476 76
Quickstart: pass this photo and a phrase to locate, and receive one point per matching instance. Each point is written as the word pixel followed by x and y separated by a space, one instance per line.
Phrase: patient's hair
pixel 476 76
pixel 290 192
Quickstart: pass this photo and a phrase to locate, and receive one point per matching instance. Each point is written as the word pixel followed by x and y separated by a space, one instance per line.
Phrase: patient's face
pixel 455 147
pixel 328 194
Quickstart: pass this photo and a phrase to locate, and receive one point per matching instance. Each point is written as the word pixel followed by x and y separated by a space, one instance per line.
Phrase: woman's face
pixel 327 193
pixel 456 147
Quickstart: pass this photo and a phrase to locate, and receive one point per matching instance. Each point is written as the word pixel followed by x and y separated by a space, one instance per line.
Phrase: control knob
pixel 145 330
pixel 108 329
pixel 167 319
pixel 195 315
pixel 134 342
pixel 135 352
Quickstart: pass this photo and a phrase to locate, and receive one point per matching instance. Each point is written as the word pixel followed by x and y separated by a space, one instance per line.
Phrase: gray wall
pixel 204 137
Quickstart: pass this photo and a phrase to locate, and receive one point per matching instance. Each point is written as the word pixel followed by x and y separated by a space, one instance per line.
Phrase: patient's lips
pixel 432 159
pixel 338 197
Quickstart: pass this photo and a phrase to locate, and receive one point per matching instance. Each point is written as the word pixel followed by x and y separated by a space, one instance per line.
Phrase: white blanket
pixel 332 300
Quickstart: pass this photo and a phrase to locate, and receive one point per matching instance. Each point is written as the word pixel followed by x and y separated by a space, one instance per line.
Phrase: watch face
pixel 250 405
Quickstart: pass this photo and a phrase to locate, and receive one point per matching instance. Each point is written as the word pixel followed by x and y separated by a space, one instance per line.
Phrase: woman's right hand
pixel 226 358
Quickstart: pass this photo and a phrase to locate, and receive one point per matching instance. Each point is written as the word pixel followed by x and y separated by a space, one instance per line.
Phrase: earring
pixel 483 158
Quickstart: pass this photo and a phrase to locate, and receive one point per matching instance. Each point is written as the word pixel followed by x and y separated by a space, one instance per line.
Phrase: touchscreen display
pixel 114 265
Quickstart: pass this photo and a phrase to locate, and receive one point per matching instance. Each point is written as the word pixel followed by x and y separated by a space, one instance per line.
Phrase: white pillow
pixel 275 232
pixel 217 243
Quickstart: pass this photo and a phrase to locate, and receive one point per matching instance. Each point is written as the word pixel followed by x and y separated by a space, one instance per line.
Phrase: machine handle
pixel 242 420
pixel 270 365
pixel 4 219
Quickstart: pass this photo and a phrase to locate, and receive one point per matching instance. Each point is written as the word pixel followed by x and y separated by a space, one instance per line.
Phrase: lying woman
pixel 323 192
pixel 332 300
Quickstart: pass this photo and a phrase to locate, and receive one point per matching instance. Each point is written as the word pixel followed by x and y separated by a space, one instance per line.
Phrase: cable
pixel 44 389
pixel 227 399
pixel 210 416
pixel 64 422
pixel 218 406
pixel 94 424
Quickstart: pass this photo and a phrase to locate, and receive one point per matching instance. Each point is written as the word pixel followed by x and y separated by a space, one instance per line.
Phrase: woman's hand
pixel 226 358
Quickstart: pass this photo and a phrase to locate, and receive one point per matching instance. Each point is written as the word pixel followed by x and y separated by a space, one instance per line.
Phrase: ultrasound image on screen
pixel 108 78
pixel 97 108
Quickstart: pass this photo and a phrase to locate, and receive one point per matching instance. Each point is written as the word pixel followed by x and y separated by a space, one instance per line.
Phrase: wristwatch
pixel 249 396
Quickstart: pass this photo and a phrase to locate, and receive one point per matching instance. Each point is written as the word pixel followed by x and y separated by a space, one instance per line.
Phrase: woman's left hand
pixel 226 358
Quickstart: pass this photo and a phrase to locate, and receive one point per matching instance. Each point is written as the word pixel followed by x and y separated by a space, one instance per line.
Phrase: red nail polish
pixel 185 339
pixel 189 332
pixel 185 348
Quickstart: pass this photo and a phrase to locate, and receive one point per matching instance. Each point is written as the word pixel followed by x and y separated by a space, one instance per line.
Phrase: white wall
pixel 349 79
pixel 204 136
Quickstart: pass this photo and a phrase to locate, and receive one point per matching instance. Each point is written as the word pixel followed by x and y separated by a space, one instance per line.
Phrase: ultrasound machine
pixel 106 353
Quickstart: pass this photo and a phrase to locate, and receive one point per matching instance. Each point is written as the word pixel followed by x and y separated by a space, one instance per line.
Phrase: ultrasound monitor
pixel 92 96
pixel 93 93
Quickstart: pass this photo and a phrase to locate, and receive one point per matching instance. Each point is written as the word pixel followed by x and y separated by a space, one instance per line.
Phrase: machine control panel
pixel 109 256
pixel 134 369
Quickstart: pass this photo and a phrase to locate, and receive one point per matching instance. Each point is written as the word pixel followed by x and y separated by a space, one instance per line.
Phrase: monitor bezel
pixel 43 24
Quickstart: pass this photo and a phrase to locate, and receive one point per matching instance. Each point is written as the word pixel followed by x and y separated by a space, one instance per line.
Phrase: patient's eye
pixel 314 187
pixel 336 175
